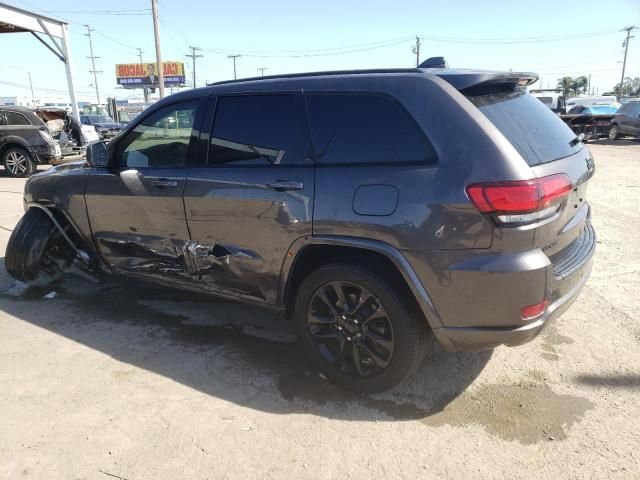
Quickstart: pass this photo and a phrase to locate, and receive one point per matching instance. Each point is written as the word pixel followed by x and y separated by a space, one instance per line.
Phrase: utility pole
pixel 589 86
pixel 156 33
pixel 416 50
pixel 193 57
pixel 145 92
pixel 625 44
pixel 234 63
pixel 262 69
pixel 93 63
pixel 33 98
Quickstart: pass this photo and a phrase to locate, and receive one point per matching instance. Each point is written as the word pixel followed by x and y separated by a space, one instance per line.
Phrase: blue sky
pixel 274 28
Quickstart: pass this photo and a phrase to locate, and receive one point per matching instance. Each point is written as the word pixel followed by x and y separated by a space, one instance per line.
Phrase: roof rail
pixel 319 74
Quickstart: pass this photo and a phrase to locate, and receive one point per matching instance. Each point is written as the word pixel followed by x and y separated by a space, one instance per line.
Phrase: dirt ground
pixel 127 380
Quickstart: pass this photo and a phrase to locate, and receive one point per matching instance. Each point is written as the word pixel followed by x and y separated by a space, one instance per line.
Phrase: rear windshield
pixel 538 134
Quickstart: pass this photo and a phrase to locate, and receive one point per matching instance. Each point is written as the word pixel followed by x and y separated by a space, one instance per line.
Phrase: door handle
pixel 284 185
pixel 162 183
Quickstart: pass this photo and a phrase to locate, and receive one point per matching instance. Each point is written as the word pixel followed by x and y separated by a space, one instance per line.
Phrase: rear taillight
pixel 521 201
pixel 533 311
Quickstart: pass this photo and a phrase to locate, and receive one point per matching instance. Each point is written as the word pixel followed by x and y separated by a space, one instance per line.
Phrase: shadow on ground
pixel 235 352
pixel 626 141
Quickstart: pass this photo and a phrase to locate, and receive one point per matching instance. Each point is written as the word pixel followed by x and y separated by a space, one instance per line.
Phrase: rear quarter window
pixel 539 135
pixel 364 129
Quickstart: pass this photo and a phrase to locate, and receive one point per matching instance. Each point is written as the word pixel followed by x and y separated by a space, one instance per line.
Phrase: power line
pixel 42 89
pixel 144 11
pixel 104 35
pixel 550 38
pixel 306 55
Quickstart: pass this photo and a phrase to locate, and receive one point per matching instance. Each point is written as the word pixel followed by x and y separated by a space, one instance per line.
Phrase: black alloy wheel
pixel 351 329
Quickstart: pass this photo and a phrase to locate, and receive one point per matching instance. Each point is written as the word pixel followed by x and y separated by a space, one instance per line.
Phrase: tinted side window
pixel 255 130
pixel 162 139
pixel 364 128
pixel 14 118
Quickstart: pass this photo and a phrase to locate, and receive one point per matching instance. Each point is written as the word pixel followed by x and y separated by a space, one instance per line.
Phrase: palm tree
pixel 565 84
pixel 579 85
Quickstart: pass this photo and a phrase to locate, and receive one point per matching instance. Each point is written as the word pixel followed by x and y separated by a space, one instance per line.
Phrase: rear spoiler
pixel 479 82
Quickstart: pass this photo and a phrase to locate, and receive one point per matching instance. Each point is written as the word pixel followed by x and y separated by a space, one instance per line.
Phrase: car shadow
pixel 630 382
pixel 620 142
pixel 242 354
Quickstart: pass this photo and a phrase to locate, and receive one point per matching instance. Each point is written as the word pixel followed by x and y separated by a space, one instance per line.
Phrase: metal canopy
pixel 52 33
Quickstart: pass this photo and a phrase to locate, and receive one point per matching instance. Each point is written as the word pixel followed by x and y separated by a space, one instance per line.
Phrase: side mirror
pixel 97 155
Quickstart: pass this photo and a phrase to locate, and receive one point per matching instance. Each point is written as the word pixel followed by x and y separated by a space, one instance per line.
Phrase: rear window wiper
pixel 576 140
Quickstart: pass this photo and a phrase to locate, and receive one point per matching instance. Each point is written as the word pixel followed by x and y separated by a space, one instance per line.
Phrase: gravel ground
pixel 127 380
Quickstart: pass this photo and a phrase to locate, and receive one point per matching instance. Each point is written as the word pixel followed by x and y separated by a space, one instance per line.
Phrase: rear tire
pixel 18 162
pixel 614 133
pixel 362 345
pixel 25 259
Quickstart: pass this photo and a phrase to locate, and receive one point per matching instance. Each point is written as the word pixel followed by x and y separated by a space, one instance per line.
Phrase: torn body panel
pixel 241 210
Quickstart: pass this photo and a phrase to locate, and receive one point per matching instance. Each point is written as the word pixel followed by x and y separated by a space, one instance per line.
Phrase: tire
pixel 614 133
pixel 18 162
pixel 25 257
pixel 354 349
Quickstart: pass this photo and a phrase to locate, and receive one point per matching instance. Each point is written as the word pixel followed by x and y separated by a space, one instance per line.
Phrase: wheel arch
pixel 11 142
pixel 309 253
pixel 68 229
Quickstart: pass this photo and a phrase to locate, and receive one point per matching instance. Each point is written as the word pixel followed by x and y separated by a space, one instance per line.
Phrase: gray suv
pixel 375 208
pixel 25 141
pixel 626 121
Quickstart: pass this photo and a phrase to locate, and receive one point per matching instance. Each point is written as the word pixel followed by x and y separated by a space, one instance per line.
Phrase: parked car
pixel 595 109
pixel 71 135
pixel 626 121
pixel 376 208
pixel 25 141
pixel 589 100
pixel 592 121
pixel 105 125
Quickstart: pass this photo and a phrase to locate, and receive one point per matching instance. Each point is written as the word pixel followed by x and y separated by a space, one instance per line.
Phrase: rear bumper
pixel 484 338
pixel 496 321
pixel 45 153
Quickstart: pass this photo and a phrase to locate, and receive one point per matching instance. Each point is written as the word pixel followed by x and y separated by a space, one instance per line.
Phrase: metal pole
pixel 145 93
pixel 93 62
pixel 67 66
pixel 193 57
pixel 262 69
pixel 156 32
pixel 33 98
pixel 416 50
pixel 624 62
pixel 234 64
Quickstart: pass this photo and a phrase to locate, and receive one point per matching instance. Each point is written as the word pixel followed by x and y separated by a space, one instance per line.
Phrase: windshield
pixel 536 132
pixel 99 119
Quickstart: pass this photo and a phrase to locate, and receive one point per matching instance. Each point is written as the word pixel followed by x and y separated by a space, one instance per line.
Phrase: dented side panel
pixel 243 228
pixel 137 226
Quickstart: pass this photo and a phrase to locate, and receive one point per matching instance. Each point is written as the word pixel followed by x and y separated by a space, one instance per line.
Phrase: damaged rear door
pixel 136 206
pixel 253 195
